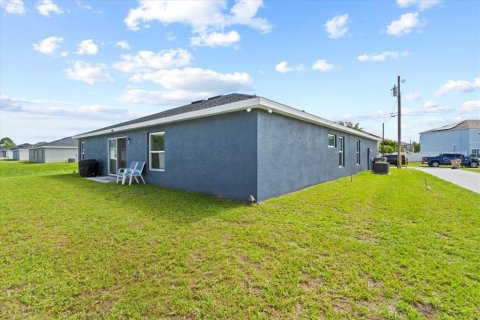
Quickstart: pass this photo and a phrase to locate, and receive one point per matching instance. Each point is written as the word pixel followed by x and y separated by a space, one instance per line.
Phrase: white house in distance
pixel 20 152
pixel 461 137
pixel 63 150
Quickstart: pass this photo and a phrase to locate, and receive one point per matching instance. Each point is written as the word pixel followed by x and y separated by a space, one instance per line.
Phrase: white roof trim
pixel 254 103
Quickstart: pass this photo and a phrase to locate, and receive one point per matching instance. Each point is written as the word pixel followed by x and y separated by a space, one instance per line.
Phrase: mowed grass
pixel 376 247
pixel 10 168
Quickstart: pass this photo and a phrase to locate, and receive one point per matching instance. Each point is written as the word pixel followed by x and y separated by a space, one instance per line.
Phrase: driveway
pixel 465 179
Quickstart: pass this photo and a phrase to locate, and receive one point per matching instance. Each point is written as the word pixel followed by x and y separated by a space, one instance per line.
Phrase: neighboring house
pixel 233 146
pixel 63 150
pixel 20 152
pixel 461 137
pixel 6 153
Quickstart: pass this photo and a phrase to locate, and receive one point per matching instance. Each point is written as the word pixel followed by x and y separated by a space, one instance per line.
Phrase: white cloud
pixel 414 96
pixel 48 45
pixel 82 5
pixel 243 13
pixel 87 47
pixel 215 39
pixel 197 80
pixel 283 67
pixel 60 108
pixel 208 19
pixel 430 104
pixel 471 106
pixel 45 7
pixel 170 36
pixel 166 98
pixel 405 24
pixel 457 86
pixel 147 61
pixel 123 45
pixel 337 26
pixel 382 56
pixel 322 65
pixel 89 73
pixel 13 6
pixel 421 4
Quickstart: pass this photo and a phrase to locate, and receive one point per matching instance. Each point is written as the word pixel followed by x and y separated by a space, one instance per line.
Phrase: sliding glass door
pixel 117 154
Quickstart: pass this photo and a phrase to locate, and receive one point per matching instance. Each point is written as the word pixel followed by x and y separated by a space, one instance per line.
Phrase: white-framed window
pixel 358 151
pixel 476 152
pixel 341 152
pixel 332 140
pixel 82 150
pixel 156 151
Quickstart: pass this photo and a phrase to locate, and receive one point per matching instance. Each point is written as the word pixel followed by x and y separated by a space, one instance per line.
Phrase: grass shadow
pixel 149 200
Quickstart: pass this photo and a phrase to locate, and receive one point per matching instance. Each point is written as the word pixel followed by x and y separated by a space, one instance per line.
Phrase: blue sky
pixel 69 67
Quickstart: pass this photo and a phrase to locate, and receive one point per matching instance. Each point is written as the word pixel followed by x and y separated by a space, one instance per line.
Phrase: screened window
pixel 82 150
pixel 476 152
pixel 341 151
pixel 358 152
pixel 332 141
pixel 157 151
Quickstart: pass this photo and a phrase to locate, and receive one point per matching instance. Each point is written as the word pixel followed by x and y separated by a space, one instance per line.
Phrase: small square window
pixel 332 140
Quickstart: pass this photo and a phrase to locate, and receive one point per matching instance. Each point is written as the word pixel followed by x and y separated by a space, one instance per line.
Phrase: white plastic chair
pixel 123 172
pixel 134 173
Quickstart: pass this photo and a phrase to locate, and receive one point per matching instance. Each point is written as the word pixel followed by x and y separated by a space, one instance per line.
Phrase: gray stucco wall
pixel 293 154
pixel 215 155
pixel 238 154
pixel 36 155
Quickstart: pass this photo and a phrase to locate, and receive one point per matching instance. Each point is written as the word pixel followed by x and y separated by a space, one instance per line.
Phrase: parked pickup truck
pixel 446 159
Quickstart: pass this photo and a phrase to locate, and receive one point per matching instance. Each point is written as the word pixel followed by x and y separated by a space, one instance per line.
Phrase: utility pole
pixel 383 137
pixel 399 99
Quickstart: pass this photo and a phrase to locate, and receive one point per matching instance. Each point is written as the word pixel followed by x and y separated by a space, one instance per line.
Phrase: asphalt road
pixel 465 179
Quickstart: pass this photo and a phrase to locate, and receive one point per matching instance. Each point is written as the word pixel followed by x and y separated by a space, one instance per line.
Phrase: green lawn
pixel 377 247
pixel 10 168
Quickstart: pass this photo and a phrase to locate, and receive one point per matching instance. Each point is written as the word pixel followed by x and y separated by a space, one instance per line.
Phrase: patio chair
pixel 123 172
pixel 134 173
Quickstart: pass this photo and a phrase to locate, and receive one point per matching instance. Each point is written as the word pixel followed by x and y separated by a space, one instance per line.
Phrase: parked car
pixel 392 159
pixel 446 159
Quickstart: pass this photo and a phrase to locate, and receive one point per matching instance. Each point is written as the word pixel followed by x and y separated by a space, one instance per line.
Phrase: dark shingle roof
pixel 64 142
pixel 39 144
pixel 22 146
pixel 194 106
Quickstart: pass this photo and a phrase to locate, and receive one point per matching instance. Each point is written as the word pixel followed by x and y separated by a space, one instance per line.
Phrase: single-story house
pixel 232 146
pixel 6 153
pixel 460 137
pixel 63 150
pixel 20 152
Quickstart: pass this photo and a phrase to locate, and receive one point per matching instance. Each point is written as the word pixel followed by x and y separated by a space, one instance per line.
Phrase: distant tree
pixel 6 142
pixel 388 146
pixel 350 124
pixel 416 147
